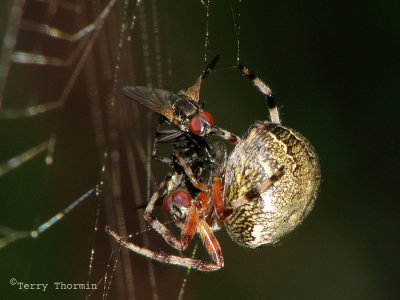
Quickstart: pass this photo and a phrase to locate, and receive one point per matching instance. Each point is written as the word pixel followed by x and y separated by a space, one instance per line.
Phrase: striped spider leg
pixel 265 90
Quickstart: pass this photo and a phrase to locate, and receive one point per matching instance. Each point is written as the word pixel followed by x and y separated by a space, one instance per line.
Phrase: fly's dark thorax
pixel 185 108
pixel 283 206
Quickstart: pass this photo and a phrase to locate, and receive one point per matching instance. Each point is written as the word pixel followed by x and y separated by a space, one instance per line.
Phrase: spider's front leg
pixel 222 211
pixel 265 90
pixel 179 197
pixel 194 181
pixel 186 262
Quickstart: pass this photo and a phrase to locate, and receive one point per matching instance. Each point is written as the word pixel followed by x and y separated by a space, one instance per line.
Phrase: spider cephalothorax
pixel 264 190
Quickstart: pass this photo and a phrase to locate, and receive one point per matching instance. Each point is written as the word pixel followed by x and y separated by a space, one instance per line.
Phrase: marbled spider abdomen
pixel 265 219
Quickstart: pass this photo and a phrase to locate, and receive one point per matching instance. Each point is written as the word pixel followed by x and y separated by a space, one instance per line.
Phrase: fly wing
pixel 157 100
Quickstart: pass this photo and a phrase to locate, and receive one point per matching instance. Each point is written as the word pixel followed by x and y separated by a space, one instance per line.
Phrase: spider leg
pixel 222 212
pixel 189 228
pixel 256 192
pixel 195 223
pixel 209 240
pixel 165 258
pixel 156 224
pixel 225 134
pixel 274 178
pixel 196 183
pixel 211 243
pixel 273 110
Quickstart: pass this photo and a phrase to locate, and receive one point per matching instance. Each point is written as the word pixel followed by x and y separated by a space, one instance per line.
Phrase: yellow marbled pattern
pixel 286 203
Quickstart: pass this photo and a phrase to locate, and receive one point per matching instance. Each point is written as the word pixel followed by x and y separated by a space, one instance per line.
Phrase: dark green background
pixel 334 67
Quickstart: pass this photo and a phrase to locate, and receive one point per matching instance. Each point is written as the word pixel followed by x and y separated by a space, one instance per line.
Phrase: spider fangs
pixel 267 187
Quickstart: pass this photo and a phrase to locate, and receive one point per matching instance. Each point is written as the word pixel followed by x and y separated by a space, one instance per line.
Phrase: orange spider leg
pixel 189 229
pixel 211 243
pixel 222 212
pixel 192 219
pixel 194 222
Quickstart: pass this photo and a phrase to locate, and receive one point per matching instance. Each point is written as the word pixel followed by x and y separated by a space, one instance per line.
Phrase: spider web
pixel 67 131
pixel 64 127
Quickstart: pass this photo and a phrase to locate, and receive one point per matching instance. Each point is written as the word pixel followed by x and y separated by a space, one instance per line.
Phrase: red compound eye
pixel 181 198
pixel 195 125
pixel 206 116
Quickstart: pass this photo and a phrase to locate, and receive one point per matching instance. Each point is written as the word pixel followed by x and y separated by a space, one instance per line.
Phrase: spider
pixel 264 190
